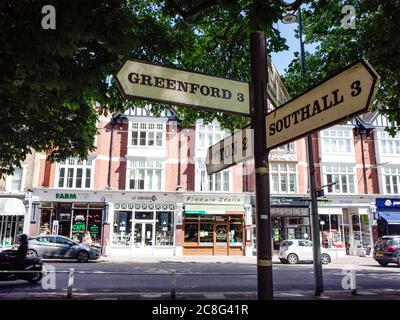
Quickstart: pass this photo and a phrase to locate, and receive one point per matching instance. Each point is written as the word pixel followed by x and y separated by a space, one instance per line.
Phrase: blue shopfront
pixel 388 216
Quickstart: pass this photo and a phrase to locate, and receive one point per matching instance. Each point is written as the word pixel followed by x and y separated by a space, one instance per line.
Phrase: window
pixel 389 145
pixel 75 173
pixel 145 175
pixel 287 147
pixel 337 141
pixel 165 229
pixel 391 180
pixel 147 134
pixel 220 181
pixel 122 228
pixel 209 134
pixel 342 177
pixel 283 177
pixel 15 182
pixel 332 231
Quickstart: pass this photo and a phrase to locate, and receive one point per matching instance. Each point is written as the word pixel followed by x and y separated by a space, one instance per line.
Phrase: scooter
pixel 28 264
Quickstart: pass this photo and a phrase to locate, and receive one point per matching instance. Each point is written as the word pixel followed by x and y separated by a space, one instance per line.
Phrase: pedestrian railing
pixel 172 273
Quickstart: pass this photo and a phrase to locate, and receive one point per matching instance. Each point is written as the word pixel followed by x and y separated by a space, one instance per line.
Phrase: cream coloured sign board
pixel 137 79
pixel 342 96
pixel 230 151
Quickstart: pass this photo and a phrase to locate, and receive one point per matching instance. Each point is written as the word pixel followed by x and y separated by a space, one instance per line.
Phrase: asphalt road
pixel 202 277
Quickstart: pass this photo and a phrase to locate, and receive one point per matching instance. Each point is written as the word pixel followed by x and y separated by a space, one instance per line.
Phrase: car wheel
pixel 325 258
pixel 283 261
pixel 383 263
pixel 398 260
pixel 35 278
pixel 292 258
pixel 31 253
pixel 82 256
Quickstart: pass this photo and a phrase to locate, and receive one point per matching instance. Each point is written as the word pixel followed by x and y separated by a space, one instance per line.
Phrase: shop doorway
pixel 143 239
pixel 221 239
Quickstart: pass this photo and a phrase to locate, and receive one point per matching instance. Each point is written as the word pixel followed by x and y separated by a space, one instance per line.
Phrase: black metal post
pixel 318 276
pixel 258 107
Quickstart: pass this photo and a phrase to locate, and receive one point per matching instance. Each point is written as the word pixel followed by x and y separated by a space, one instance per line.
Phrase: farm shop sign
pixel 69 196
pixel 148 81
pixel 214 199
pixel 348 93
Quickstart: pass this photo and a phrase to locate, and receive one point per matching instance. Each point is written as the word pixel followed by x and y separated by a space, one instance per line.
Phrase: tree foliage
pixel 376 37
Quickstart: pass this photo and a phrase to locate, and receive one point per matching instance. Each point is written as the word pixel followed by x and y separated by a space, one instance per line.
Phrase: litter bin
pixel 368 252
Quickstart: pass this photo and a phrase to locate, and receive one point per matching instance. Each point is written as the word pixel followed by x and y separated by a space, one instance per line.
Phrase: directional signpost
pixel 138 79
pixel 348 93
pixel 343 96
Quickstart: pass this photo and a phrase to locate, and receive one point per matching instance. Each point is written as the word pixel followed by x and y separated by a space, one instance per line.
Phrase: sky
pixel 282 59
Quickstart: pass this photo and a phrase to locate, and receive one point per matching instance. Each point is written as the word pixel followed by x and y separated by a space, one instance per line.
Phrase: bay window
pixel 283 177
pixel 145 175
pixel 342 177
pixel 391 180
pixel 337 141
pixel 147 134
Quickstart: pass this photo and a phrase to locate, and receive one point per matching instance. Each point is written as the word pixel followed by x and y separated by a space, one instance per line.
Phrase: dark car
pixel 59 247
pixel 387 250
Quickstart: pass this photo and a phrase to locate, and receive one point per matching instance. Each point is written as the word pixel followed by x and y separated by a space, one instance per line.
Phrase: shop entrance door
pixel 143 237
pixel 221 239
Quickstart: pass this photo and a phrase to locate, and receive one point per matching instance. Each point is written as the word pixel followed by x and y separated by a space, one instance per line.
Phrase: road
pixel 155 277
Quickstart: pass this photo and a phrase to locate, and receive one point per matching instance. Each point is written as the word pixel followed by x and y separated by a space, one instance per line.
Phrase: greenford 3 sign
pixel 139 79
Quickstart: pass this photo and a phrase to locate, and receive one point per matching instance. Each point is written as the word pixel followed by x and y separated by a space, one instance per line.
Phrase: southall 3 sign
pixel 343 96
pixel 137 79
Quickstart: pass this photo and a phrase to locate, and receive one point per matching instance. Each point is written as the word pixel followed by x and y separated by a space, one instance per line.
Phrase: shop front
pixel 388 216
pixel 71 214
pixel 12 219
pixel 215 225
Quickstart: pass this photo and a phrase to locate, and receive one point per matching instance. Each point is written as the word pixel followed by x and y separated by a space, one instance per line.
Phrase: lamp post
pixel 318 277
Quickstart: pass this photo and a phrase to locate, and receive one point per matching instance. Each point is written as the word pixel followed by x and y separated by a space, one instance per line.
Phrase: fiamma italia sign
pixel 142 80
pixel 342 96
pixel 232 150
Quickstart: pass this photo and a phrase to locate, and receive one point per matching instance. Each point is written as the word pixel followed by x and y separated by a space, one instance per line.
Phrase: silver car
pixel 295 250
pixel 60 247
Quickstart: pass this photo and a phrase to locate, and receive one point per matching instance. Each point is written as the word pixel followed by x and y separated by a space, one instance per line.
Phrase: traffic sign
pixel 230 151
pixel 339 97
pixel 138 79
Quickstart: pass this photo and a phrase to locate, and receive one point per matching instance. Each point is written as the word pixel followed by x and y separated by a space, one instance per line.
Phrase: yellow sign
pixel 340 97
pixel 153 82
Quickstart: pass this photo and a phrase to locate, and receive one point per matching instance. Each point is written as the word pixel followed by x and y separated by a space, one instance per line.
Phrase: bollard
pixel 173 284
pixel 70 283
pixel 353 283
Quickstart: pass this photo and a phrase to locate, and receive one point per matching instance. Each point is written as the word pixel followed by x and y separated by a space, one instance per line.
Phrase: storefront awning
pixel 12 207
pixel 213 209
pixel 390 217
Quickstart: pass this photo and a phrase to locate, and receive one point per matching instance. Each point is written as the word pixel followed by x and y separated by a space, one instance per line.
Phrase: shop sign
pixel 388 203
pixel 290 201
pixel 213 199
pixel 70 196
pixel 94 230
pixel 79 226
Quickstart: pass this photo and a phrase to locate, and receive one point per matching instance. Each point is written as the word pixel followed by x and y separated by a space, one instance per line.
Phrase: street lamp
pixel 319 285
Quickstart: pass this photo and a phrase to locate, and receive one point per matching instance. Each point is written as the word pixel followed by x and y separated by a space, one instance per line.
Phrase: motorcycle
pixel 28 264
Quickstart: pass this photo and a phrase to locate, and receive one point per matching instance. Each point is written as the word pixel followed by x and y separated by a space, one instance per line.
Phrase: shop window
pixel 122 228
pixel 74 173
pixel 332 234
pixel 164 229
pixel 236 234
pixel 191 232
pixel 206 234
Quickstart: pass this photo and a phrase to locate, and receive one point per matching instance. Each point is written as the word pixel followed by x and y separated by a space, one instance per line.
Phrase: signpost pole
pixel 318 277
pixel 258 106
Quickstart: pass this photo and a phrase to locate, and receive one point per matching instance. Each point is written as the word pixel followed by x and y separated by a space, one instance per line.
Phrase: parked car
pixel 60 247
pixel 293 251
pixel 387 250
